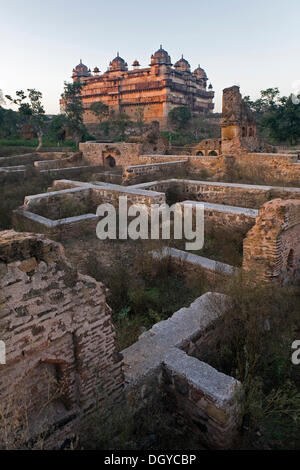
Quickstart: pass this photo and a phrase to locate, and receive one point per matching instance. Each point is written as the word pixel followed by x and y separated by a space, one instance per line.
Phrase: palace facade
pixel 149 92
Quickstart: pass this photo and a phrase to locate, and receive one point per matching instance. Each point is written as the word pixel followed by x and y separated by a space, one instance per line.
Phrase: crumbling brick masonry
pixel 61 356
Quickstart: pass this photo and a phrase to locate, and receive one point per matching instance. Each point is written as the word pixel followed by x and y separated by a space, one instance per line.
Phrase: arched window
pixel 213 153
pixel 199 154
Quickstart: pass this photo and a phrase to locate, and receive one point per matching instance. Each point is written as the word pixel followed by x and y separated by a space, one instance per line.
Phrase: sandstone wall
pixel 208 147
pixel 159 363
pixel 226 217
pixel 232 194
pixel 52 213
pixel 138 173
pixel 272 246
pixel 239 134
pixel 96 153
pixel 58 332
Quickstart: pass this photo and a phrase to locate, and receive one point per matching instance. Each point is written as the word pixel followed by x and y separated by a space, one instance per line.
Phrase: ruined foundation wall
pixel 96 153
pixel 272 246
pixel 231 218
pixel 159 362
pixel 138 173
pixel 58 221
pixel 57 327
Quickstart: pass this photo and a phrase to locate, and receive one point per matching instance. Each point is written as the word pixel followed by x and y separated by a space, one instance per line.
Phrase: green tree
pixel 31 108
pixel 139 116
pixel 180 116
pixel 120 123
pixel 73 109
pixel 101 111
pixel 278 117
pixel 9 122
pixel 57 127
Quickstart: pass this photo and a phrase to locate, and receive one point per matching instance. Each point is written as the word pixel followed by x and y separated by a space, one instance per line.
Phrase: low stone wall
pixel 8 175
pixel 159 363
pixel 208 166
pixel 74 172
pixel 233 194
pixel 281 167
pixel 24 159
pixel 61 355
pixel 31 216
pixel 214 270
pixel 50 203
pixel 29 158
pixel 148 158
pixel 97 153
pixel 63 162
pixel 138 173
pixel 229 217
pixel 58 155
pixel 271 159
pixel 59 230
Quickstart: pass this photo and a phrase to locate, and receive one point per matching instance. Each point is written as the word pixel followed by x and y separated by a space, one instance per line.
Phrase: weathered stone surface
pixel 239 134
pixel 201 393
pixel 57 329
pixel 272 246
pixel 211 267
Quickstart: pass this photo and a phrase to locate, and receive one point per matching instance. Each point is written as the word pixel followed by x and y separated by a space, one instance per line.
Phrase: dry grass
pixel 252 342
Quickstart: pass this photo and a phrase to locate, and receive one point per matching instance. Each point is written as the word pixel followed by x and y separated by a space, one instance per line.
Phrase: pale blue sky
pixel 254 44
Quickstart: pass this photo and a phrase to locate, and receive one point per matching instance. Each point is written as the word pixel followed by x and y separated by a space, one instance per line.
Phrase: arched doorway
pixel 213 153
pixel 110 161
pixel 199 154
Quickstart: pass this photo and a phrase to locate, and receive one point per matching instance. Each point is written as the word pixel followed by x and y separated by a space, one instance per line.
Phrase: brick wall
pixel 158 364
pixel 123 153
pixel 138 173
pixel 272 246
pixel 56 326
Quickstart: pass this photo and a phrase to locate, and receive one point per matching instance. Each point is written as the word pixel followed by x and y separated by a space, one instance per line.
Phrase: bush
pixel 150 292
pixel 252 342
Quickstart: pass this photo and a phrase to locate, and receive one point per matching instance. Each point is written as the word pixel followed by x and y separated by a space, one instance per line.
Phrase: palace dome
pixel 200 73
pixel 118 63
pixel 160 57
pixel 81 70
pixel 182 65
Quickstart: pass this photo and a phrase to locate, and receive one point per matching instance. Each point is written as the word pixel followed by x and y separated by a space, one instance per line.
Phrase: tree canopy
pixel 180 116
pixel 73 109
pixel 278 116
pixel 31 108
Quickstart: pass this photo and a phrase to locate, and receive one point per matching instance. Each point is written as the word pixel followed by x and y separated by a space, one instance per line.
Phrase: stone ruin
pixel 272 246
pixel 239 130
pixel 55 321
pixel 61 355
